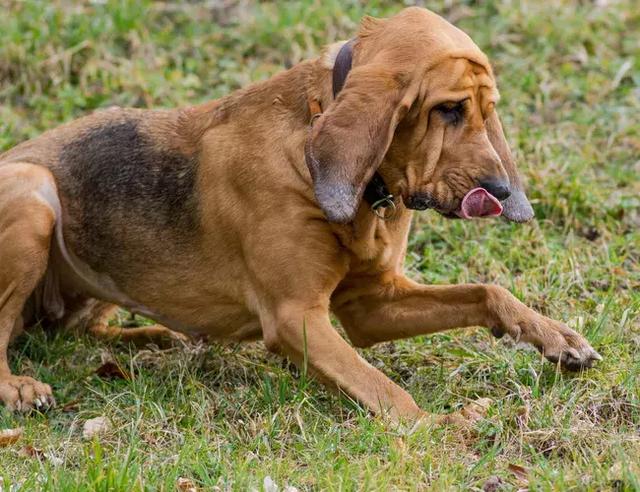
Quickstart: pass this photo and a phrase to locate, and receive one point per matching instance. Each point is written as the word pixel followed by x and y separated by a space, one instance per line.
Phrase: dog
pixel 257 215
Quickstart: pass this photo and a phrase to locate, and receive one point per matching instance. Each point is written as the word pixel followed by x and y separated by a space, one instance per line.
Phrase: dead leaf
pixel 186 485
pixel 9 436
pixel 520 472
pixel 523 415
pixel 96 427
pixel 31 452
pixel 40 455
pixel 492 484
pixel 112 370
pixel 71 406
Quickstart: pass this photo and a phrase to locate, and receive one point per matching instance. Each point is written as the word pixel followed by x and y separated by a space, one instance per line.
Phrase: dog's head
pixel 419 107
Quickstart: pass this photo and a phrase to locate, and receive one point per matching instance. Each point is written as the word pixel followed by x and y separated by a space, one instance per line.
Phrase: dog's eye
pixel 452 113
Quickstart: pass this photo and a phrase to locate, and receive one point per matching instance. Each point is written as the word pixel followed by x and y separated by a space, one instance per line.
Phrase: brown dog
pixel 238 220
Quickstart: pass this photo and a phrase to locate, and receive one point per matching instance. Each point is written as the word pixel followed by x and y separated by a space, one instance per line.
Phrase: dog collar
pixel 376 194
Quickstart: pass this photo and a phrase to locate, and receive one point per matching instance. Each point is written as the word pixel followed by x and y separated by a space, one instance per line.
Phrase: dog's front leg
pixel 372 311
pixel 305 335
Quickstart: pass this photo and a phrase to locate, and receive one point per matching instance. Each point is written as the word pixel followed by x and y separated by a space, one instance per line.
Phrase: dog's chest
pixel 376 245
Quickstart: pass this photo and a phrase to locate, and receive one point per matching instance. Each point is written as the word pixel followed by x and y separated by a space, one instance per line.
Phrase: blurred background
pixel 568 70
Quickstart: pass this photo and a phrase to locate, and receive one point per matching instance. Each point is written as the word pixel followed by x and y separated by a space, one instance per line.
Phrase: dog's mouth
pixel 477 203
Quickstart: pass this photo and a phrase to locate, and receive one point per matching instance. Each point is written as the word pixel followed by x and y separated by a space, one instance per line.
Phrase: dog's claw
pixel 558 343
pixel 571 352
pixel 24 394
pixel 573 360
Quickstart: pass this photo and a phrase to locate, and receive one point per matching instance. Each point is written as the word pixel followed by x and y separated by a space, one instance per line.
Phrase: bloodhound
pixel 259 214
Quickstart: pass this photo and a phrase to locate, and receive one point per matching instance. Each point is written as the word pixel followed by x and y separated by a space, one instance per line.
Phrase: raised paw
pixel 23 394
pixel 554 339
pixel 559 343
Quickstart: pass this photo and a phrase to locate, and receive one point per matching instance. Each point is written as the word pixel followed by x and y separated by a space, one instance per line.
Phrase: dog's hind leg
pixel 26 227
pixel 97 319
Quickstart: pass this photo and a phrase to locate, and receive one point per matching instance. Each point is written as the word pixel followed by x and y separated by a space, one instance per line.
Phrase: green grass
pixel 226 417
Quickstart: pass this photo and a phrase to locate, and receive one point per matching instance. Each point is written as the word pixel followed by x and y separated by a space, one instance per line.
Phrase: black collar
pixel 376 190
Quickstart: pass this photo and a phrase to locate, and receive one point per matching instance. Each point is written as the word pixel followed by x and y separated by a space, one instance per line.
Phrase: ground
pixel 230 416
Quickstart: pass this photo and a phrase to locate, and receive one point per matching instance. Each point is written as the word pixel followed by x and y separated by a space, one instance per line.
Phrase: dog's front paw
pixel 568 347
pixel 23 394
pixel 554 339
pixel 558 343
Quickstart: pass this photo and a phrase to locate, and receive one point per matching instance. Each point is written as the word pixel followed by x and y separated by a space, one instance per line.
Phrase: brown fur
pixel 208 220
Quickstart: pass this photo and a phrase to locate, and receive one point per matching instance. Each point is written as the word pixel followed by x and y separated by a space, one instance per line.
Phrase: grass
pixel 226 417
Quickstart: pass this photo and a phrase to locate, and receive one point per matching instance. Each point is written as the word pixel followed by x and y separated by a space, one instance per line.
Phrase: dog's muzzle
pixel 419 201
pixel 497 187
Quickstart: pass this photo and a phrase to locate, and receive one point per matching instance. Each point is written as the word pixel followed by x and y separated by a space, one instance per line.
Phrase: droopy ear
pixel 349 141
pixel 517 207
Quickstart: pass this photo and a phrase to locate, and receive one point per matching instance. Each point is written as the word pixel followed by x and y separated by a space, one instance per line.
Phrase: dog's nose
pixel 418 201
pixel 497 187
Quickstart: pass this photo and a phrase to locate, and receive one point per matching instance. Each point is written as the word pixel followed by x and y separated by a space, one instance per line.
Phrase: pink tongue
pixel 479 203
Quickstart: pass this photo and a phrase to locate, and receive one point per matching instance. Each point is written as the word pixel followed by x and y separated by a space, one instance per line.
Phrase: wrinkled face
pixel 442 149
pixel 419 107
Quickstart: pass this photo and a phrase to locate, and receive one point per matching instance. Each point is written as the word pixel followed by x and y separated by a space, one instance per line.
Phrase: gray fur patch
pixel 124 190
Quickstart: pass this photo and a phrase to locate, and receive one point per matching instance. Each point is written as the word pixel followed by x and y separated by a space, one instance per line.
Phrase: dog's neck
pixel 282 93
